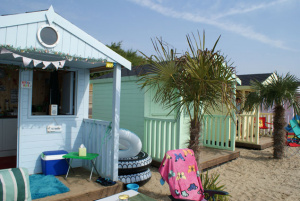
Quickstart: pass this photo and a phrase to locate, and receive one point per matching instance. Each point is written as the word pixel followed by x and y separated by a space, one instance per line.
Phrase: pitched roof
pixel 75 41
pixel 136 71
pixel 246 78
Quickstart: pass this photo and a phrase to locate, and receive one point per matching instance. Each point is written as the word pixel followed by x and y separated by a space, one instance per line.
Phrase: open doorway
pixel 9 87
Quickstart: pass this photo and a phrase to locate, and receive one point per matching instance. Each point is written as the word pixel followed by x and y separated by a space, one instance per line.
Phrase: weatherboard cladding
pixel 34 139
pixel 131 103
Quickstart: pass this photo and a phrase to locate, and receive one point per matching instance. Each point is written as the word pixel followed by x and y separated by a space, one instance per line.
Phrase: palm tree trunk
pixel 194 142
pixel 279 132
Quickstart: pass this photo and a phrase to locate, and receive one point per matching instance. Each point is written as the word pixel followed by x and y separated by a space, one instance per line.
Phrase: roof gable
pixel 246 79
pixel 20 31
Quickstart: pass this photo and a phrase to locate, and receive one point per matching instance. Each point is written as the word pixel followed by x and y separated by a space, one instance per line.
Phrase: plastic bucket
pixel 132 186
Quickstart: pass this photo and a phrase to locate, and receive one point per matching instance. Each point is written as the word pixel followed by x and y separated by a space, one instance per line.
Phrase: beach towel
pixel 179 169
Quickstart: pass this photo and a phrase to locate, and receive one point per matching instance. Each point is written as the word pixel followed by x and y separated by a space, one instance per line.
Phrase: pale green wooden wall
pixel 131 103
pixel 157 111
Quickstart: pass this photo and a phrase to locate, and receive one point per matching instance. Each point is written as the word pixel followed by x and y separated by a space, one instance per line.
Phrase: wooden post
pixel 116 120
pixel 257 126
pixel 233 121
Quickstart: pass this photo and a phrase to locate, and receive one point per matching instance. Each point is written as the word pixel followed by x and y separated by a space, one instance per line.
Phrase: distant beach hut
pixel 250 130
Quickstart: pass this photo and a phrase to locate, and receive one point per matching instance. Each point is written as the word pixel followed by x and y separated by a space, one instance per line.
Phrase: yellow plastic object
pixel 123 197
pixel 109 64
pixel 82 152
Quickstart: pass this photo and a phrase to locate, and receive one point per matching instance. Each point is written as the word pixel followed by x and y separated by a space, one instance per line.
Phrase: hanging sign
pixel 26 84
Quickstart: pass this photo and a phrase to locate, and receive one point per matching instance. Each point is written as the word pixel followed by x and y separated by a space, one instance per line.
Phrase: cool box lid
pixel 53 155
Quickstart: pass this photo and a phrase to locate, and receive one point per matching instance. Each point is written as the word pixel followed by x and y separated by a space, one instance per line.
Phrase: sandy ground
pixel 255 175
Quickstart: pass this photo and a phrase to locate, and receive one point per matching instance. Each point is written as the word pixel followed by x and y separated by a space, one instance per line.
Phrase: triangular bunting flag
pixel 46 64
pixel 26 61
pixel 62 63
pixel 36 62
pixel 59 64
pixel 56 64
pixel 5 51
pixel 15 55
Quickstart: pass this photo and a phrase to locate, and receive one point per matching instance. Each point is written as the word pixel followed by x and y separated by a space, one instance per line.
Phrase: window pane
pixel 48 35
pixel 55 88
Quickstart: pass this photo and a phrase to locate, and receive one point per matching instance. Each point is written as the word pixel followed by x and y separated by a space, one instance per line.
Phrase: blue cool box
pixel 53 163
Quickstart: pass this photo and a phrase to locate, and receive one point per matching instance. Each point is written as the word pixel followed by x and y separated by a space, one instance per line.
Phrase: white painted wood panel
pixel 31 35
pixel 21 36
pixel 65 40
pixel 11 35
pixel 81 48
pixel 2 36
pixel 73 45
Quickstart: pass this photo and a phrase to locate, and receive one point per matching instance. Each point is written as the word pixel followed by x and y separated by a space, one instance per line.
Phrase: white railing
pixel 97 139
pixel 269 123
pixel 218 131
pixel 247 128
pixel 161 135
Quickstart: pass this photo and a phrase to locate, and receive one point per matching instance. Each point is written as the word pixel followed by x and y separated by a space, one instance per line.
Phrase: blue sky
pixel 259 36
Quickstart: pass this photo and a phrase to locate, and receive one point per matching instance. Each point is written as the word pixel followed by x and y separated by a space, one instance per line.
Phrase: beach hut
pixel 158 129
pixel 249 129
pixel 45 65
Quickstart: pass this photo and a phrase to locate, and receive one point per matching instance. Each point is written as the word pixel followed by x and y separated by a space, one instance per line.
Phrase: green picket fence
pixel 218 131
pixel 161 135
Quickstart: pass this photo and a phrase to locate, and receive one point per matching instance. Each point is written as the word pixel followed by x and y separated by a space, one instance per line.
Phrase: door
pixel 67 105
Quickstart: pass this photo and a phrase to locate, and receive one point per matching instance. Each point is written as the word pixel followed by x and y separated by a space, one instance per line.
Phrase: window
pixel 48 36
pixel 53 88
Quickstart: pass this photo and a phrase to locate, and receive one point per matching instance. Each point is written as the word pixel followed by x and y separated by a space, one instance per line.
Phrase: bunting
pixel 35 62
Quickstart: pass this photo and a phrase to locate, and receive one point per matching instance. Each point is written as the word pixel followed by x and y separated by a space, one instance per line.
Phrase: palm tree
pixel 279 90
pixel 197 81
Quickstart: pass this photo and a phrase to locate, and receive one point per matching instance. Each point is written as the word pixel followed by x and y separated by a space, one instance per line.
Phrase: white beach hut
pixel 45 62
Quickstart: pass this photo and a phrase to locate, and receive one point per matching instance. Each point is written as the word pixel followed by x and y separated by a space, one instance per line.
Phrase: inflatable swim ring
pixel 136 178
pixel 133 164
pixel 129 144
pixel 136 164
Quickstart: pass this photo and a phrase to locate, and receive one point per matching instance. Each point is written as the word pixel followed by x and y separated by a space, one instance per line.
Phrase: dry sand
pixel 255 175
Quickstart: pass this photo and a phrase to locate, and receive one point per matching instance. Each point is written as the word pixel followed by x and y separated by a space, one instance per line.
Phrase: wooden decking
pixel 264 142
pixel 210 157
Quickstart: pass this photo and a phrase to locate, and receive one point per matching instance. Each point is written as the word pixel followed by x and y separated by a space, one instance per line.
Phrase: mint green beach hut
pixel 158 131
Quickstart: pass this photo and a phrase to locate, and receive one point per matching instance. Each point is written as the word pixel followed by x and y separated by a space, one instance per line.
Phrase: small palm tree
pixel 279 90
pixel 197 81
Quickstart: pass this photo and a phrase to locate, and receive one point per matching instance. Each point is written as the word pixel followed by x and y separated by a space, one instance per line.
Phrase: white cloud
pixel 245 31
pixel 241 9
